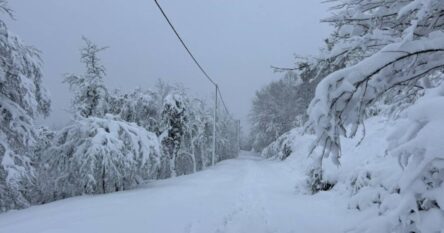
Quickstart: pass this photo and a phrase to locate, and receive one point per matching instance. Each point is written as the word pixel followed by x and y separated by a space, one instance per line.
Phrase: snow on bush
pixel 294 147
pixel 418 145
pixel 100 155
pixel 395 175
pixel 282 148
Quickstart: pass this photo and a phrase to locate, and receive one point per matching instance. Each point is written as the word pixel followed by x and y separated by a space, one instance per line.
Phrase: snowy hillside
pixel 378 174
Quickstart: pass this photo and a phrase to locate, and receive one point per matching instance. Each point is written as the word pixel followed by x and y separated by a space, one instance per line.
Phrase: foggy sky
pixel 235 40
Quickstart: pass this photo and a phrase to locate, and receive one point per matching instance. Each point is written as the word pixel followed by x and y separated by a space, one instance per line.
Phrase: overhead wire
pixel 193 57
pixel 183 44
pixel 223 103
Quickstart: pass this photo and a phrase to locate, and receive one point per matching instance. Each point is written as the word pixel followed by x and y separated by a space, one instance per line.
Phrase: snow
pixel 387 177
pixel 253 194
pixel 247 194
pixel 367 178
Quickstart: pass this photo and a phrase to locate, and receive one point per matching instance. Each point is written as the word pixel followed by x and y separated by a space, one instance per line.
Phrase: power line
pixel 218 92
pixel 223 102
pixel 183 43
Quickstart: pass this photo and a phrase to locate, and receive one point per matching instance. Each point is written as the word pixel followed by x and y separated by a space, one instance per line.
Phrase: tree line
pixel 115 141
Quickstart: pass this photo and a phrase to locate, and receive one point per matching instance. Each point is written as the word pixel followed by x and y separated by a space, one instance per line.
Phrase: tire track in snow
pixel 249 213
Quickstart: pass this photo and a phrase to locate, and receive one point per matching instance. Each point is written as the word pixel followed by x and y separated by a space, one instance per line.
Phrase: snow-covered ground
pixel 244 195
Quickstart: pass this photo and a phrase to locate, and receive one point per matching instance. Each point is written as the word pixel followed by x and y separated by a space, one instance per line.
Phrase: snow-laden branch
pixel 341 97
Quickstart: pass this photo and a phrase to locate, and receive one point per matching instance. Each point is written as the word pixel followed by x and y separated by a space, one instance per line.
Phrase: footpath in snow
pixel 244 195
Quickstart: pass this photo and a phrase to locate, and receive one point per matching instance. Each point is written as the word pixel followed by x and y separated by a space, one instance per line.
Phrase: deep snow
pixel 247 194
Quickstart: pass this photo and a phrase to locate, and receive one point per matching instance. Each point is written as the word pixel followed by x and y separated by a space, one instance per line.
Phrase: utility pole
pixel 238 137
pixel 213 158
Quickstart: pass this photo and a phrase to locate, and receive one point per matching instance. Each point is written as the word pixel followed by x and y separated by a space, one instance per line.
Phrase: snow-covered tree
pixel 173 124
pixel 227 137
pixel 22 99
pixel 274 112
pixel 140 106
pixel 196 144
pixel 45 139
pixel 392 103
pixel 388 44
pixel 282 105
pixel 183 124
pixel 99 155
pixel 90 92
pixel 342 97
pixel 108 147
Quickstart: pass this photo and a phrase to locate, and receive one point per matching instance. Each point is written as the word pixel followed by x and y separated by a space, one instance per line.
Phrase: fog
pixel 236 42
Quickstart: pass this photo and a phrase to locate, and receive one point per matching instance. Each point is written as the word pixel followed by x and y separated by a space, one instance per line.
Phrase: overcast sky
pixel 235 40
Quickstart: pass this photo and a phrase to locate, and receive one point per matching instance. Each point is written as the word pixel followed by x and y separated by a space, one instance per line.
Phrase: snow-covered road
pixel 244 195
